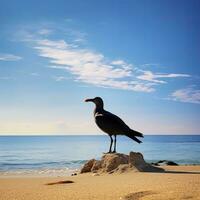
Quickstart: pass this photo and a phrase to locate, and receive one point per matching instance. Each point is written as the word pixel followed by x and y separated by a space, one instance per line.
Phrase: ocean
pixel 47 155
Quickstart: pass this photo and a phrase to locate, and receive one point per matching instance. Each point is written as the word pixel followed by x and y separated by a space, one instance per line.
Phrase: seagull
pixel 112 124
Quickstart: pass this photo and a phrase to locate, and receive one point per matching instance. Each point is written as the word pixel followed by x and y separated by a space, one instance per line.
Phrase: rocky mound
pixel 116 162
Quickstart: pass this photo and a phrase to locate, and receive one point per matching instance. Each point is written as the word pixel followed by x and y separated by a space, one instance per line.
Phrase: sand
pixel 180 182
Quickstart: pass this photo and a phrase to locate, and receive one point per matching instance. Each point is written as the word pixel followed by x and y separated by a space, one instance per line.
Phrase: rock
pixel 96 166
pixel 122 168
pixel 165 162
pixel 136 159
pixel 156 164
pixel 112 161
pixel 95 174
pixel 137 162
pixel 88 166
pixel 161 161
pixel 172 163
pixel 116 162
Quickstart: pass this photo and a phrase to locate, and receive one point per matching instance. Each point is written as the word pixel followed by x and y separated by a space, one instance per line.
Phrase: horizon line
pixel 160 134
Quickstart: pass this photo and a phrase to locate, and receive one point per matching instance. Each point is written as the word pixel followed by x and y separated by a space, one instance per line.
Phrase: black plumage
pixel 112 124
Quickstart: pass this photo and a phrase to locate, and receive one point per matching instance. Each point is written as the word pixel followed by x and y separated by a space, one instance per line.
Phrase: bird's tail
pixel 136 133
pixel 133 137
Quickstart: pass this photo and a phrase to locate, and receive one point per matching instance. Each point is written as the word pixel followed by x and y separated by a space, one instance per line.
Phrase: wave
pixel 38 165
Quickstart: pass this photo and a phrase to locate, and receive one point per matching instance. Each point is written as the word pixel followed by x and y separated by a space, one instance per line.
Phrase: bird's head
pixel 98 101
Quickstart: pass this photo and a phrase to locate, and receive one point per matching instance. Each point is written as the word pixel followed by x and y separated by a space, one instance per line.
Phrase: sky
pixel 141 57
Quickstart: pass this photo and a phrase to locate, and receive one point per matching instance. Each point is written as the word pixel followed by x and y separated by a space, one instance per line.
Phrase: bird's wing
pixel 110 123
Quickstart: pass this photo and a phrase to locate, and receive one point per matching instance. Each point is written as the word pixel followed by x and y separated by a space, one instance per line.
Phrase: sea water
pixel 63 154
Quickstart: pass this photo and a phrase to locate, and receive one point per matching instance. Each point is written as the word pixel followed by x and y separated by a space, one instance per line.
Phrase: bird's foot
pixel 110 152
pixel 107 152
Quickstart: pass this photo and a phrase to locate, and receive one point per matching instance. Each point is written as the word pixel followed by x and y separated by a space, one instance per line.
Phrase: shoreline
pixel 63 172
pixel 178 182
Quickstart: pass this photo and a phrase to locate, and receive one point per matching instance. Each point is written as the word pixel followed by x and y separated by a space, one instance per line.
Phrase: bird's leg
pixel 115 143
pixel 111 142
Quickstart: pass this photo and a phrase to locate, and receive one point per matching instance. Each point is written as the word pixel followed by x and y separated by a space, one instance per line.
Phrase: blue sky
pixel 141 57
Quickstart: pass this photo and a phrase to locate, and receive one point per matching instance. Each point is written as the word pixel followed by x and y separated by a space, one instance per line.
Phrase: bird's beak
pixel 88 100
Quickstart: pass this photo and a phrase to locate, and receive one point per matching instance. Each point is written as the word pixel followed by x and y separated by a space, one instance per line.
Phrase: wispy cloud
pixel 45 31
pixel 9 57
pixel 6 78
pixel 155 77
pixel 89 66
pixel 118 62
pixel 34 74
pixel 92 67
pixel 60 78
pixel 187 95
pixel 150 65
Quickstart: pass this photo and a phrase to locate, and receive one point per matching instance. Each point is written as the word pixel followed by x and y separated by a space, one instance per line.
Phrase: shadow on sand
pixel 60 182
pixel 173 172
pixel 180 172
pixel 137 195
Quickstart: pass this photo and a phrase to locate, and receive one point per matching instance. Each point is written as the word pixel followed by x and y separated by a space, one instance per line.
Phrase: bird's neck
pixel 98 108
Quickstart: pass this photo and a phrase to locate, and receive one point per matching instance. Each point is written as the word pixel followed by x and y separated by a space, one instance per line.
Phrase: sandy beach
pixel 178 182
